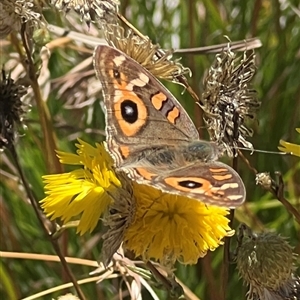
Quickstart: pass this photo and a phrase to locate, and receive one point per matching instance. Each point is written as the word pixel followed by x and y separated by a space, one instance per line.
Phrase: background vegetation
pixel 67 82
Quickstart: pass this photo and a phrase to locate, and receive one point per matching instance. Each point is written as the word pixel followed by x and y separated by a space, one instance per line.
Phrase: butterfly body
pixel 151 137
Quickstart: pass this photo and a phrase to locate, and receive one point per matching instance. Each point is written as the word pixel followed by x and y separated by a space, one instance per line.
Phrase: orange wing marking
pixel 158 100
pixel 124 151
pixel 145 174
pixel 173 115
pixel 222 177
pixel 123 91
pixel 203 189
pixel 218 170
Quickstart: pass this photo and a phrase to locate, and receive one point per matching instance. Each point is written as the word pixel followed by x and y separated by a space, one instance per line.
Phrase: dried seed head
pixel 141 49
pixel 12 108
pixel 90 10
pixel 264 179
pixel 266 263
pixel 16 12
pixel 227 100
pixel 121 215
pixel 68 297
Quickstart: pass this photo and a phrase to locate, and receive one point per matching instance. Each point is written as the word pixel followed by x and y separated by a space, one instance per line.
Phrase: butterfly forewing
pixel 139 107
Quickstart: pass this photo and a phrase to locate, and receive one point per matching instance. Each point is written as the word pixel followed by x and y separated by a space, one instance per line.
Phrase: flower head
pixel 169 227
pixel 12 108
pixel 264 179
pixel 86 191
pixel 266 262
pixel 16 12
pixel 68 297
pixel 150 223
pixel 227 101
pixel 89 10
pixel 140 48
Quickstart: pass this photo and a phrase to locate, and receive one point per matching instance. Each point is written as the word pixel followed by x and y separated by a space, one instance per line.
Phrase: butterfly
pixel 151 137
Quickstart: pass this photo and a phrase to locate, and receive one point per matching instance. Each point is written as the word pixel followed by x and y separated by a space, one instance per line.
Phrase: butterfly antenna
pixel 265 151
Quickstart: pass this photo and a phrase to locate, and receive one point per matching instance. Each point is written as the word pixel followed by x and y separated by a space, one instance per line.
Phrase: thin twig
pixel 44 114
pixel 46 225
pixel 170 284
pixel 226 253
pixel 246 44
pixel 276 188
pixel 50 145
pixel 226 259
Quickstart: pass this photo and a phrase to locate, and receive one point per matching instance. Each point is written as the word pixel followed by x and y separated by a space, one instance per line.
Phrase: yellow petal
pixel 83 193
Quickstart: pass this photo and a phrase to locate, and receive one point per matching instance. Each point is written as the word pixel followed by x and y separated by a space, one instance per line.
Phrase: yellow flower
pixel 169 227
pixel 287 147
pixel 152 224
pixel 85 191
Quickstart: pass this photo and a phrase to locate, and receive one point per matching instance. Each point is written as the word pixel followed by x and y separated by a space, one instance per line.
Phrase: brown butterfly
pixel 151 137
